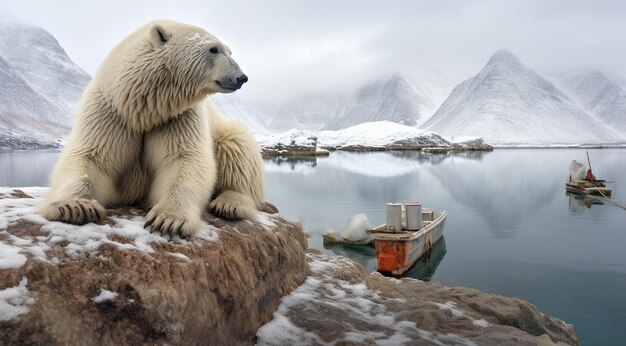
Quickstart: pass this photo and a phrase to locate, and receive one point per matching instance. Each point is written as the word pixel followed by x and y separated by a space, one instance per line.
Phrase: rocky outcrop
pixel 477 144
pixel 343 304
pixel 116 283
pixel 290 143
pixel 232 283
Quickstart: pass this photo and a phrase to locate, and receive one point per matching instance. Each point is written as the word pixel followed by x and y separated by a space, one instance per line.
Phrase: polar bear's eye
pixel 214 50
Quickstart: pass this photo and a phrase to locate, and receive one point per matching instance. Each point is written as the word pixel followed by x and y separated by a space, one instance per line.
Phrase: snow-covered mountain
pixel 233 107
pixel 395 98
pixel 39 86
pixel 308 112
pixel 39 59
pixel 508 103
pixel 597 94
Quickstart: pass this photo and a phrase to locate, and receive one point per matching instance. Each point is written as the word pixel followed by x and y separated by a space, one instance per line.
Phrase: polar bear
pixel 147 133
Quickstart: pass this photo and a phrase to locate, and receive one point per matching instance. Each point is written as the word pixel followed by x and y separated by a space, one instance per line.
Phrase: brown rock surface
pixel 343 304
pixel 116 283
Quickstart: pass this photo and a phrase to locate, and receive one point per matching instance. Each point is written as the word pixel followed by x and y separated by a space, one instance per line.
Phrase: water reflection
pixel 424 269
pixel 26 168
pixel 291 164
pixel 578 203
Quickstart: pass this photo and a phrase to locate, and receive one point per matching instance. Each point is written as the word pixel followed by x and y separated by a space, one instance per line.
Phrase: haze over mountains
pixel 506 103
pixel 598 95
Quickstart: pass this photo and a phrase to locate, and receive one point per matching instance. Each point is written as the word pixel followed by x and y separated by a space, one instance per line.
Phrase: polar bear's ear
pixel 159 34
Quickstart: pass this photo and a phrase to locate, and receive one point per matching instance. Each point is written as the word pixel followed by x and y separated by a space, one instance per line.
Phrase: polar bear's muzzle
pixel 232 82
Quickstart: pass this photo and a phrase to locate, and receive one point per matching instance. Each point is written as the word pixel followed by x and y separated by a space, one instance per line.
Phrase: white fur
pixel 145 132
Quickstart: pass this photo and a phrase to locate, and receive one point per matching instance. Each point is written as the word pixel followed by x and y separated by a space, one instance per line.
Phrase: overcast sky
pixel 294 47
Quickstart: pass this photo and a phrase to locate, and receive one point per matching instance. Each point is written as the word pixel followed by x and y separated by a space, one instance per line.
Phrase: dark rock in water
pixel 343 304
pixel 419 142
pixel 117 284
pixel 474 144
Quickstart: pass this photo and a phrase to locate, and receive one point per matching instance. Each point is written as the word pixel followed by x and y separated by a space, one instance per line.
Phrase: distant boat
pixel 397 251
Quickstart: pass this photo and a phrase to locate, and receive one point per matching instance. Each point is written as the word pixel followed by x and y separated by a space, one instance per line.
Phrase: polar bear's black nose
pixel 242 79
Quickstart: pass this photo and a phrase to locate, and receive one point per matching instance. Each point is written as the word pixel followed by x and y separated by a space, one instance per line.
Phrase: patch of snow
pixel 375 134
pixel 81 239
pixel 179 255
pixel 265 220
pixel 358 301
pixel 10 256
pixel 105 295
pixel 293 137
pixel 452 307
pixel 481 323
pixel 449 305
pixel 14 301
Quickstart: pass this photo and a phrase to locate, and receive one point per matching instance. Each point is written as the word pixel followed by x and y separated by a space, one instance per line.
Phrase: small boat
pixel 586 187
pixel 583 182
pixel 397 251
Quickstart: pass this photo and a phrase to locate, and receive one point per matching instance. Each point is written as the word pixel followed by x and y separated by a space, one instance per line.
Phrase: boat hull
pixel 396 253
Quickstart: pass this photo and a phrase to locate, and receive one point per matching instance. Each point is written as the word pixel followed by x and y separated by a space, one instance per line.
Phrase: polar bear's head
pixel 165 68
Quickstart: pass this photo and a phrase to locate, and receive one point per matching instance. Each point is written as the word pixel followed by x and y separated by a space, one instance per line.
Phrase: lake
pixel 511 227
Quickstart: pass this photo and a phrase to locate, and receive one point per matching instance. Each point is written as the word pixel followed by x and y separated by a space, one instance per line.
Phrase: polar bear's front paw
pixel 233 205
pixel 77 211
pixel 170 223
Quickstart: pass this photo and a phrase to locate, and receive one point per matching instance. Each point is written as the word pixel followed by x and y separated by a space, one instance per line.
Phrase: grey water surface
pixel 511 227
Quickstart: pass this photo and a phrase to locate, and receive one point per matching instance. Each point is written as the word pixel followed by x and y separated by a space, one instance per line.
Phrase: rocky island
pixel 232 283
pixel 373 136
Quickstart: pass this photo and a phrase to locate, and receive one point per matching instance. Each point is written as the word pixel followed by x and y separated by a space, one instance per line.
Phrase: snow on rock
pixel 116 281
pixel 14 301
pixel 10 256
pixel 292 141
pixel 372 136
pixel 340 303
pixel 379 135
pixel 104 295
pixel 507 103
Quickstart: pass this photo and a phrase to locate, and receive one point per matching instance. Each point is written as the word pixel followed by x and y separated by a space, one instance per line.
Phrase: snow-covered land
pixel 508 103
pixel 378 135
pixel 39 86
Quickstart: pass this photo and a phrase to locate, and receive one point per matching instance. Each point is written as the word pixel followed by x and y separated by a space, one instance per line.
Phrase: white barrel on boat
pixel 413 215
pixel 394 217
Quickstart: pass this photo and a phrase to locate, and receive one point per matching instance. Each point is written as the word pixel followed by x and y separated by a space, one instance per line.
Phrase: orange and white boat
pixel 397 251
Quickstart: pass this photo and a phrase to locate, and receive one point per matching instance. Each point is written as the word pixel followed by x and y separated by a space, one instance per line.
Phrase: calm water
pixel 511 228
